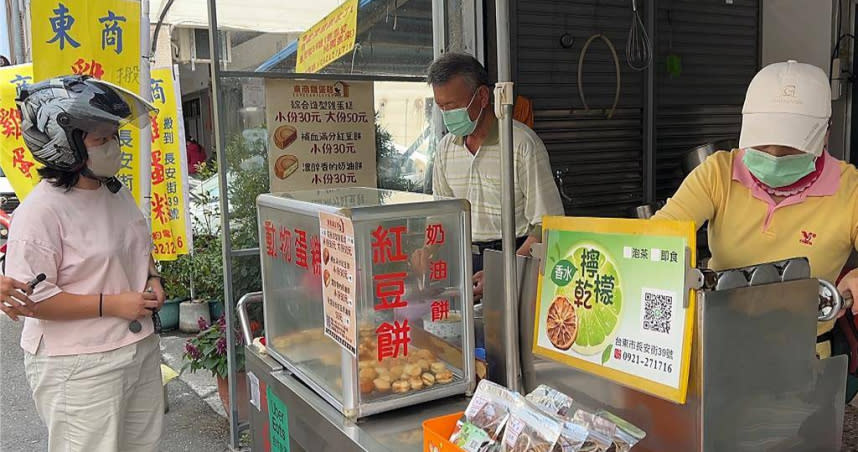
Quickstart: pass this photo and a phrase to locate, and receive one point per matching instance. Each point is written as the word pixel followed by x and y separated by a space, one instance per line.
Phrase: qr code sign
pixel 657 311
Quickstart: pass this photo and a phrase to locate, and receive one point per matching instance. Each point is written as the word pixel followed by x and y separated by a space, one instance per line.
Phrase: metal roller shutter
pixel 601 158
pixel 718 45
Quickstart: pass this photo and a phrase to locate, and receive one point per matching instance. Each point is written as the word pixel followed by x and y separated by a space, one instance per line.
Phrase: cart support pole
pixel 503 108
pixel 220 147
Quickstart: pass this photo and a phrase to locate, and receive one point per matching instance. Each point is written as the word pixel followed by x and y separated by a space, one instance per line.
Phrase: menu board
pixel 321 134
pixel 613 301
pixel 338 279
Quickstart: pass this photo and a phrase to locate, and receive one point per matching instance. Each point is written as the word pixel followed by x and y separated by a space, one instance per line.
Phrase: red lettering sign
pixel 439 271
pixel 435 234
pixel 440 310
pixel 301 248
pixel 160 208
pixel 316 255
pixel 393 339
pixel 270 239
pixel 91 67
pixel 10 122
pixel 389 289
pixel 285 243
pixel 156 131
pixel 157 168
pixel 385 249
pixel 22 164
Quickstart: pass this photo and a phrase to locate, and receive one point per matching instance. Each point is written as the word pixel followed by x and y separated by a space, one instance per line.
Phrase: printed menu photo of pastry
pixel 284 136
pixel 285 166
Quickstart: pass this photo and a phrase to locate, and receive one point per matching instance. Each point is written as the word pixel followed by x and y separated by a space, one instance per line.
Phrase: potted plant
pixel 208 351
pixel 177 285
pixel 202 270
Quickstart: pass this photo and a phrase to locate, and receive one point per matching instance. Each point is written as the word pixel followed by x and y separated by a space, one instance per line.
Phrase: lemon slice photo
pixel 562 323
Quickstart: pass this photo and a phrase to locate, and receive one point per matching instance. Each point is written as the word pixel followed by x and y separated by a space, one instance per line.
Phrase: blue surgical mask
pixel 459 122
pixel 777 172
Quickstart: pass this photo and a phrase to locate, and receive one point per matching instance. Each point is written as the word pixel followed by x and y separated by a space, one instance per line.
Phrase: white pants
pixel 100 402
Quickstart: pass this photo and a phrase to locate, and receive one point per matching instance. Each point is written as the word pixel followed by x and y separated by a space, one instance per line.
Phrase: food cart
pixel 753 382
pixel 724 405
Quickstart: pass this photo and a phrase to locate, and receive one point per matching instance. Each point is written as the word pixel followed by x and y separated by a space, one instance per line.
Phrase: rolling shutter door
pixel 718 45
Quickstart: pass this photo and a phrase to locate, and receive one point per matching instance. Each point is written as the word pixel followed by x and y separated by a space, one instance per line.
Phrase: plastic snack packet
pixel 626 435
pixel 552 401
pixel 601 431
pixel 530 430
pixel 487 412
pixel 572 437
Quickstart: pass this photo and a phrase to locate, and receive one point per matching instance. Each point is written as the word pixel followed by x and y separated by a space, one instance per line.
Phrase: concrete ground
pixel 195 422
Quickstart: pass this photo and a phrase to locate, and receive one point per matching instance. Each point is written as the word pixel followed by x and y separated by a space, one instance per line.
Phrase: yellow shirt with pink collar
pixel 747 227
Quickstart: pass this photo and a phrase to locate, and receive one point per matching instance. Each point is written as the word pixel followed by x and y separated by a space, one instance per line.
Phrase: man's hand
pixel 848 287
pixel 478 285
pixel 156 288
pixel 420 260
pixel 13 298
pixel 524 250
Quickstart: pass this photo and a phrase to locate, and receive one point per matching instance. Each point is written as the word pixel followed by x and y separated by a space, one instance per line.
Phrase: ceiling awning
pixel 265 16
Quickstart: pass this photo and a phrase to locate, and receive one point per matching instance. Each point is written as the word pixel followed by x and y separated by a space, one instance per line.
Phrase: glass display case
pixel 368 295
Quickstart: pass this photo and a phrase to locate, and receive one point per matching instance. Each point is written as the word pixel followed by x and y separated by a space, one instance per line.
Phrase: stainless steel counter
pixel 315 425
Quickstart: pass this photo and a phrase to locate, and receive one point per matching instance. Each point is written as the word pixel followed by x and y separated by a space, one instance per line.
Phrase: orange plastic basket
pixel 436 432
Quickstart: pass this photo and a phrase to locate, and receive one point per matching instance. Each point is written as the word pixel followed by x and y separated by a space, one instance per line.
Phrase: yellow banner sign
pixel 170 220
pixel 331 38
pixel 15 158
pixel 100 39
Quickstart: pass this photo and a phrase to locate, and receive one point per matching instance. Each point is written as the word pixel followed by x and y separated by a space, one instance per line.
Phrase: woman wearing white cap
pixel 781 194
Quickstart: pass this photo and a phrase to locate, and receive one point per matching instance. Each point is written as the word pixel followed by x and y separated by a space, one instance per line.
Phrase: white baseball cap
pixel 787 104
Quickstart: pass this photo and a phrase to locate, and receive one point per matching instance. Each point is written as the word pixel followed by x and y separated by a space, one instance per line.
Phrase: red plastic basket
pixel 437 431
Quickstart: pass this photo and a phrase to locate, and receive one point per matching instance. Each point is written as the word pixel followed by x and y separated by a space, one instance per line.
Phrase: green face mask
pixel 459 122
pixel 778 172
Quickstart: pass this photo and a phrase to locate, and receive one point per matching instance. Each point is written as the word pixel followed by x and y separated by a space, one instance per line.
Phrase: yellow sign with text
pixel 100 39
pixel 328 40
pixel 15 158
pixel 170 217
pixel 613 301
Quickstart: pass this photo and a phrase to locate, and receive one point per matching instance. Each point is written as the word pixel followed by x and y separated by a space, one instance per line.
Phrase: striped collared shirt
pixel 477 177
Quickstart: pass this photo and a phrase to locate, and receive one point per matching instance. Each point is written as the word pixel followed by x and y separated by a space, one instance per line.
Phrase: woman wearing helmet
pixel 91 358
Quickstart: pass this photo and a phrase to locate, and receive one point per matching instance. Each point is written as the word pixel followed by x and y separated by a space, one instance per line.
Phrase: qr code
pixel 657 311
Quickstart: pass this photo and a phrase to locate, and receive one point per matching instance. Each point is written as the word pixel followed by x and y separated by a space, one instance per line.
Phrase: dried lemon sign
pixel 613 301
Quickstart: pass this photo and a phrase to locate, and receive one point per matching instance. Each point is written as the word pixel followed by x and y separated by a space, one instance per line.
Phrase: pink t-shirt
pixel 86 242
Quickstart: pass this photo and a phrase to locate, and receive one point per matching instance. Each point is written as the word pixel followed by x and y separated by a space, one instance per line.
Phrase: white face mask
pixel 105 160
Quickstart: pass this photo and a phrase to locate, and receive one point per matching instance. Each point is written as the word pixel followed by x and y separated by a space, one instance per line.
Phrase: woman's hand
pixel 158 289
pixel 848 288
pixel 130 305
pixel 13 298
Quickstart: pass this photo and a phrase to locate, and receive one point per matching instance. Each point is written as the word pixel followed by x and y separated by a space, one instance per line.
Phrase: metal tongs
pixel 831 301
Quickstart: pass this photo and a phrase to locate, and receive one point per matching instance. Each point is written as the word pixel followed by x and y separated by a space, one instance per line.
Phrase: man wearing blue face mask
pixel 781 194
pixel 467 161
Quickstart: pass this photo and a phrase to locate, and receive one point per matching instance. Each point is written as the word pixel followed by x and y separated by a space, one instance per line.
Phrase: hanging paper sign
pixel 100 39
pixel 15 158
pixel 171 234
pixel 328 40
